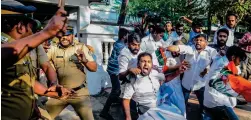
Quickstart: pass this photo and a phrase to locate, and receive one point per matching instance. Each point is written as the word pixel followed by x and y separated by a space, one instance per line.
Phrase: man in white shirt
pixel 200 57
pixel 144 85
pixel 217 105
pixel 231 21
pixel 153 41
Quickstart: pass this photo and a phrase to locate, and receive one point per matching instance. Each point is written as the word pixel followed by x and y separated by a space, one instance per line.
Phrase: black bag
pixel 142 109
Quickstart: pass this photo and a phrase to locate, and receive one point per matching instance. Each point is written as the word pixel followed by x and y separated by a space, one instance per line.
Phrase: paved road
pixel 116 111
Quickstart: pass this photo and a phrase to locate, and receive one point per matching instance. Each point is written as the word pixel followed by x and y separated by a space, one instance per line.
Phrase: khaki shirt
pixel 17 94
pixel 70 72
pixel 40 54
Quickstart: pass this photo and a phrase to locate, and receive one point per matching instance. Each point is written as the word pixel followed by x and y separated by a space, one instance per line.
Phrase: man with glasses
pixel 200 57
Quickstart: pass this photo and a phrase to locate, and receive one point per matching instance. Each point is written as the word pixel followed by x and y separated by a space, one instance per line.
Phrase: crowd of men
pixel 152 77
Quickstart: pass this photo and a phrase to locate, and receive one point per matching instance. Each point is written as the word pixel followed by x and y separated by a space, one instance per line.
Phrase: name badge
pixel 59 56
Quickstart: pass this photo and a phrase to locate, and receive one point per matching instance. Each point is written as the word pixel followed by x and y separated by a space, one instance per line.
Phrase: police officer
pixel 18 80
pixel 70 60
pixel 14 51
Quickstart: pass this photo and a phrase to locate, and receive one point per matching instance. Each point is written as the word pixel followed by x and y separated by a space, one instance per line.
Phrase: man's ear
pixel 19 27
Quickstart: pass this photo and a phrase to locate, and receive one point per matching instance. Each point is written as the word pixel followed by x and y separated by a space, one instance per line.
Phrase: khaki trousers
pixel 81 104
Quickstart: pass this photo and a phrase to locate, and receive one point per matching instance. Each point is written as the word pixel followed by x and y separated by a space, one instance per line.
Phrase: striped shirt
pixel 113 65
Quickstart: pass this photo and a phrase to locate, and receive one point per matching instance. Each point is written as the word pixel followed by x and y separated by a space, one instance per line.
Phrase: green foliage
pixel 174 9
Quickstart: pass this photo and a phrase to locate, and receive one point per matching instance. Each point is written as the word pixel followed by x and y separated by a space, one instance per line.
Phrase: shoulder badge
pixel 4 39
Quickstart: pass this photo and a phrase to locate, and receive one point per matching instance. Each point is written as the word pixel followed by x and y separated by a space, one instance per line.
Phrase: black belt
pixel 78 88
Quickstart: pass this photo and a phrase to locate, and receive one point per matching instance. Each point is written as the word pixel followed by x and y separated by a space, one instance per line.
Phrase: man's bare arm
pixel 19 48
pixel 126 105
pixel 50 73
pixel 91 66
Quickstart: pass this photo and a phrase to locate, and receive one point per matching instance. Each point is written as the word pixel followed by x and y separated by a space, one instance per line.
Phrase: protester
pixel 231 22
pixel 152 42
pixel 176 35
pixel 144 85
pixel 19 79
pixel 174 61
pixel 70 60
pixel 218 105
pixel 128 58
pixel 128 64
pixel 245 44
pixel 113 71
pixel 168 30
pixel 200 57
pixel 196 30
pixel 222 38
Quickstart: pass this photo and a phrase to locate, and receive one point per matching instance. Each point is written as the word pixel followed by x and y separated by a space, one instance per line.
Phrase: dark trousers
pixel 220 113
pixel 114 95
pixel 199 94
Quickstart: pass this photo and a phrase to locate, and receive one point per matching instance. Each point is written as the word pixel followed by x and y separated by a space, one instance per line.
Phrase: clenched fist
pixel 57 24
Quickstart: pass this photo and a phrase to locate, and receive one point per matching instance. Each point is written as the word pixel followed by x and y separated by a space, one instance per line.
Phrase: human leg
pixel 83 107
pixel 200 95
pixel 55 107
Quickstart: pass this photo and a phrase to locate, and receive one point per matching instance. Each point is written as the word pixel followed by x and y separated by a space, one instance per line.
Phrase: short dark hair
pixel 237 52
pixel 197 24
pixel 143 55
pixel 178 25
pixel 8 22
pixel 231 14
pixel 134 37
pixel 223 30
pixel 158 29
pixel 122 32
pixel 201 35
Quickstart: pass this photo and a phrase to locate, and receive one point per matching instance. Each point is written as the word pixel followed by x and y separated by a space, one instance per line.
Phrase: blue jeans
pixel 199 94
pixel 114 95
pixel 220 113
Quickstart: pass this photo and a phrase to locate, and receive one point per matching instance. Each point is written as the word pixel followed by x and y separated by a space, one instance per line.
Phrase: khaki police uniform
pixel 37 56
pixel 71 74
pixel 17 94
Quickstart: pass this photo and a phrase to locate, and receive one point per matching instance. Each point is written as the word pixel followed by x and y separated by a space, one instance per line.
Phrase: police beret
pixel 15 7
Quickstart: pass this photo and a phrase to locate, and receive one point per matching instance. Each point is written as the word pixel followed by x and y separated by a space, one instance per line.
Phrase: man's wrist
pixel 84 61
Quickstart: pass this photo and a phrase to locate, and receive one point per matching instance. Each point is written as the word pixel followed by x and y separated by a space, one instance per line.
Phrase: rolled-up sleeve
pixel 129 91
pixel 123 63
pixel 184 49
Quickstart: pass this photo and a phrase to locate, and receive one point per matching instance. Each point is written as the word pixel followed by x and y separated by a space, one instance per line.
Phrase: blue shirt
pixel 192 34
pixel 113 65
